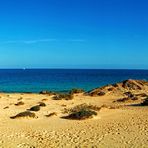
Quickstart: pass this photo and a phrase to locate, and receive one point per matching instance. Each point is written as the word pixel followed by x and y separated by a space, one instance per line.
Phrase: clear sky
pixel 74 33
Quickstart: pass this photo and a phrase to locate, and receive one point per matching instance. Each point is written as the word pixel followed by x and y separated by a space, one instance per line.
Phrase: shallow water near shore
pixel 62 80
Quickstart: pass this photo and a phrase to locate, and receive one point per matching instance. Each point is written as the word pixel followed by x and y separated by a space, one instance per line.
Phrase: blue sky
pixel 74 34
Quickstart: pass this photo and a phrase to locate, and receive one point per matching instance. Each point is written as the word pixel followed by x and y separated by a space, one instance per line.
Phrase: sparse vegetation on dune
pixel 19 103
pixel 129 97
pixel 121 88
pixel 35 108
pixel 81 107
pixel 20 98
pixel 142 95
pixel 63 96
pixel 24 114
pixel 81 114
pixel 126 99
pixel 6 107
pixel 45 92
pixel 96 93
pixel 129 94
pixel 145 102
pixel 44 99
pixel 76 91
pixel 51 114
pixel 122 99
pixel 42 104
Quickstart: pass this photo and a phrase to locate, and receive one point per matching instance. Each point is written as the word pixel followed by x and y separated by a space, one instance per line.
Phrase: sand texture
pixel 120 123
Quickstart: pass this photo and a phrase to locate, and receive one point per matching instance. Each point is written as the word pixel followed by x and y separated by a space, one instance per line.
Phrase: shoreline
pixel 34 81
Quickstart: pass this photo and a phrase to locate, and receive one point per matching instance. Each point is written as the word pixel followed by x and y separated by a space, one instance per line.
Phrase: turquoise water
pixel 35 80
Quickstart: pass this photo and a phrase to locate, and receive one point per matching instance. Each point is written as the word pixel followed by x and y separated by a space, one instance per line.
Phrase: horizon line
pixel 73 68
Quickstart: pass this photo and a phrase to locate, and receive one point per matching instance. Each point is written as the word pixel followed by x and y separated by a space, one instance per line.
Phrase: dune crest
pixel 122 87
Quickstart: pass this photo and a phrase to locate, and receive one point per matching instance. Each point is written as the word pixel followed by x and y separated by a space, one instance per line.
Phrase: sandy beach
pixel 74 74
pixel 118 123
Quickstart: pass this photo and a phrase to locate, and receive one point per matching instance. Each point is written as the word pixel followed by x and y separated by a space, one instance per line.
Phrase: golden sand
pixel 117 124
pixel 123 126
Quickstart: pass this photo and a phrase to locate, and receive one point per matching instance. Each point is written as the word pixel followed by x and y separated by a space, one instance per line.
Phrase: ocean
pixel 62 80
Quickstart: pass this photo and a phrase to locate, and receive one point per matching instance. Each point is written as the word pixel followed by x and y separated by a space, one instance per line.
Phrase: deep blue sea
pixel 36 80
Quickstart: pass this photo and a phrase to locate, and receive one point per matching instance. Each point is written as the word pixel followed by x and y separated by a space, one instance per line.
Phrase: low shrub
pixel 35 108
pixel 19 103
pixel 101 93
pixel 76 91
pixel 51 114
pixel 96 93
pixel 81 114
pixel 129 94
pixel 111 89
pixel 24 114
pixel 81 107
pixel 20 98
pixel 145 102
pixel 133 98
pixel 63 97
pixel 142 95
pixel 123 99
pixel 6 107
pixel 42 104
pixel 45 92
pixel 44 99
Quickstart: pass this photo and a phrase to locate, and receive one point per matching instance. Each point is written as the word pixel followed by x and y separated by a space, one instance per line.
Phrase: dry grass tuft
pixel 50 93
pixel 51 114
pixel 44 99
pixel 6 107
pixel 19 103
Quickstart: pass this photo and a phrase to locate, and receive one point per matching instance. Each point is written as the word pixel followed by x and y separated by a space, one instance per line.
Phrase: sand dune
pixel 117 123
